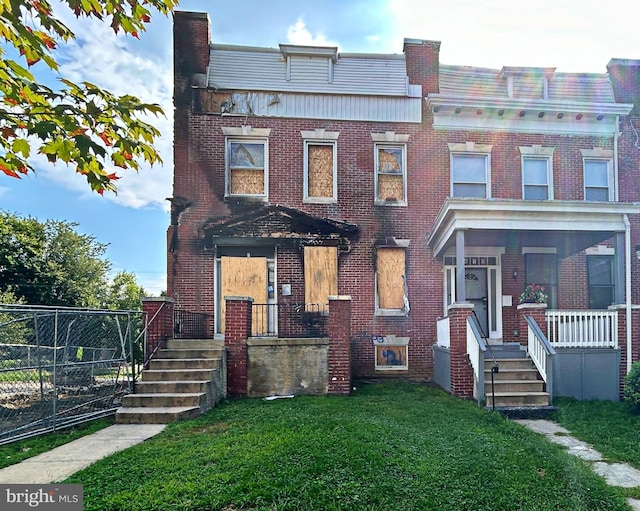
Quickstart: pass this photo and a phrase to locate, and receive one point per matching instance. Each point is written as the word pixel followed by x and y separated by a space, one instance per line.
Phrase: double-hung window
pixel 598 175
pixel 600 273
pixel 320 166
pixel 597 181
pixel 390 163
pixel 537 177
pixel 470 170
pixel 247 162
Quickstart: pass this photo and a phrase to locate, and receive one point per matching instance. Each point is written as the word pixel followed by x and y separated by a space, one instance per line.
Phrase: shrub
pixel 632 386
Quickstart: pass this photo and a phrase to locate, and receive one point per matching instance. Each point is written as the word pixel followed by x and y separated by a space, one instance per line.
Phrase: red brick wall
pixel 237 331
pixel 461 370
pixel 339 346
pixel 200 175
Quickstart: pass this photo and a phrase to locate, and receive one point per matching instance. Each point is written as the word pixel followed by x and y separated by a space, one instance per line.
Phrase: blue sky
pixel 573 36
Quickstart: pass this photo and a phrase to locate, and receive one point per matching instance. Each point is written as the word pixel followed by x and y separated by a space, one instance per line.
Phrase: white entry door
pixel 475 281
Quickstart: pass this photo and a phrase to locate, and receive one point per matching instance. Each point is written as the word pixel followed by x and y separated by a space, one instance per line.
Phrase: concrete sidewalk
pixel 59 463
pixel 615 474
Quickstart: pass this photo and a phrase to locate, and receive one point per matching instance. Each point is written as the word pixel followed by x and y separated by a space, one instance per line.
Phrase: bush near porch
pixel 391 446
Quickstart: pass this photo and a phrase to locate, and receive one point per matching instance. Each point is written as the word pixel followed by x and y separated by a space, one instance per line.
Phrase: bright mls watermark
pixel 50 497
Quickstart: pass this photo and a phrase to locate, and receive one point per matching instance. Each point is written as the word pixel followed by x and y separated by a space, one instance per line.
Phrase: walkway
pixel 59 463
pixel 615 474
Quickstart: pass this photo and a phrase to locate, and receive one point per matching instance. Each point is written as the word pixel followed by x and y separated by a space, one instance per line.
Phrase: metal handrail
pixel 495 368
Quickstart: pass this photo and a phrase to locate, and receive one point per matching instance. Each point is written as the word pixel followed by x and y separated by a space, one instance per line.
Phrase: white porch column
pixel 460 268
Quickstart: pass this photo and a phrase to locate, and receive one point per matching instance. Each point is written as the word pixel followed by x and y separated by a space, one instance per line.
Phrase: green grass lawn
pixel 388 447
pixel 613 429
pixel 20 451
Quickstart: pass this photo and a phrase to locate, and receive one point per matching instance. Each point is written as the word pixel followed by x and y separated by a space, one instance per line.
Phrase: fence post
pixel 461 370
pixel 538 312
pixel 339 330
pixel 237 329
pixel 161 329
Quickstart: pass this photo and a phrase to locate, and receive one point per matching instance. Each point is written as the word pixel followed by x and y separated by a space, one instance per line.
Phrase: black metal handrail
pixel 287 320
pixel 192 325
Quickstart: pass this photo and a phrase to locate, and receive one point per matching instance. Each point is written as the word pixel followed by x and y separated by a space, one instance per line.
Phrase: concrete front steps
pixel 517 384
pixel 184 380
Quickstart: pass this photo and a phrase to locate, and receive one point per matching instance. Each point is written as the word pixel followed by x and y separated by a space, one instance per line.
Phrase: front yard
pixel 387 447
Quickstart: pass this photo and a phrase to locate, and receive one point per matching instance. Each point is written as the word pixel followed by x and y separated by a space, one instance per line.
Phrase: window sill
pixel 392 312
pixel 247 198
pixel 319 200
pixel 392 203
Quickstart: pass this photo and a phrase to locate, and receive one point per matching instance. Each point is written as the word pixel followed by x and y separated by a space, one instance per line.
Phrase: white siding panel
pixel 581 87
pixel 465 81
pixel 564 87
pixel 323 106
pixel 250 69
pixel 527 87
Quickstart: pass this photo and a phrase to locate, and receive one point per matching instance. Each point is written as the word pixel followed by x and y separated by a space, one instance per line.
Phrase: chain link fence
pixel 63 366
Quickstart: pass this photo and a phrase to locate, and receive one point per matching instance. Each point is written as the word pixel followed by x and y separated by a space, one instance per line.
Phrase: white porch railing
pixel 540 351
pixel 475 351
pixel 444 333
pixel 582 328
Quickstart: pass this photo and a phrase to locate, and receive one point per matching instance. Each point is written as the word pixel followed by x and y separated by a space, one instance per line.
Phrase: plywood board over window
pixel 391 278
pixel 320 275
pixel 247 168
pixel 320 170
pixel 243 276
pixel 390 161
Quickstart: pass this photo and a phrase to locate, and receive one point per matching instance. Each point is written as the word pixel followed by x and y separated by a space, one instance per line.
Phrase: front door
pixel 244 276
pixel 475 281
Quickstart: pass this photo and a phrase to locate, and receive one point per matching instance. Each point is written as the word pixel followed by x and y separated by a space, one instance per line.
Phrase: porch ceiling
pixel 568 226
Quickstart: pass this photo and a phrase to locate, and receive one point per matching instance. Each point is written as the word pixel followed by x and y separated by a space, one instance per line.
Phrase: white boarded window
pixel 320 277
pixel 320 171
pixel 391 281
pixel 391 174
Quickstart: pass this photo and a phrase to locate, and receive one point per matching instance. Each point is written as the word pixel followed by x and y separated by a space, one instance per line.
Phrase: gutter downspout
pixel 616 182
pixel 627 283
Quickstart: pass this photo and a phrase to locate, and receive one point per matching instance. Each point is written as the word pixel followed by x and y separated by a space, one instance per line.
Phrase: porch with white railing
pixel 582 328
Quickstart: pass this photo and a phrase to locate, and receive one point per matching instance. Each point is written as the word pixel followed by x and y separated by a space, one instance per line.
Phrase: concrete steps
pixel 183 381
pixel 517 382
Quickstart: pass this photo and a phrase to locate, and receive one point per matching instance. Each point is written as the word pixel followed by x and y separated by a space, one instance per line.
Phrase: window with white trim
pixel 597 179
pixel 390 163
pixel 320 166
pixel 470 170
pixel 598 174
pixel 601 281
pixel 537 174
pixel 391 281
pixel 247 162
pixel 391 182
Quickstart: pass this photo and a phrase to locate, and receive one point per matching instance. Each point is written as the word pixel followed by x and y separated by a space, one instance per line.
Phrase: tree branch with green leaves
pixel 79 124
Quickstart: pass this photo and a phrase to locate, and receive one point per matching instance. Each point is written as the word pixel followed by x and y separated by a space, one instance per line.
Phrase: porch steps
pixel 184 380
pixel 517 384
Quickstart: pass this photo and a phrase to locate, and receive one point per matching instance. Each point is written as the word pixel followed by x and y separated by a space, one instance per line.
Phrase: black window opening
pixel 542 269
pixel 600 274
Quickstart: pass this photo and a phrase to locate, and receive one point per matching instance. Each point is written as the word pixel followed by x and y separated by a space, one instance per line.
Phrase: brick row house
pixel 426 195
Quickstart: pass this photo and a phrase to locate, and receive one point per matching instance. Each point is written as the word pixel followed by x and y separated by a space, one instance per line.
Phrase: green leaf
pixel 20 145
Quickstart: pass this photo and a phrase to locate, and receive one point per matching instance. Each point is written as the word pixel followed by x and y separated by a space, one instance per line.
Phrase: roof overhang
pixel 524 115
pixel 567 226
pixel 276 224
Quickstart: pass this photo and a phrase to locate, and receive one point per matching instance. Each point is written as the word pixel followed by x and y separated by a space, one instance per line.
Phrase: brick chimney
pixel 191 39
pixel 423 64
pixel 625 79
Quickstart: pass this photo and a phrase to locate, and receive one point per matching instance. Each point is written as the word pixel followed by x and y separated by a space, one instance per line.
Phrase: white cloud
pixel 299 34
pixel 122 65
